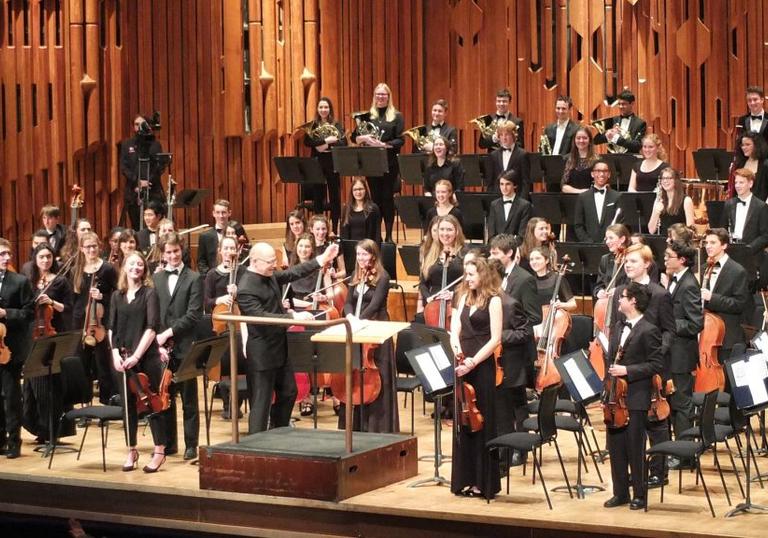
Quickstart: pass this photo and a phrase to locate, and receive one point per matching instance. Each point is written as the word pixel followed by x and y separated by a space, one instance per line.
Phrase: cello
pixel 5 353
pixel 438 313
pixel 709 371
pixel 555 327
pixel 603 316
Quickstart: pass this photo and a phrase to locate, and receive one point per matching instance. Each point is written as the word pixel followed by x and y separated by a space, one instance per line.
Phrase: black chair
pixel 689 450
pixel 389 261
pixel 407 340
pixel 78 388
pixel 529 442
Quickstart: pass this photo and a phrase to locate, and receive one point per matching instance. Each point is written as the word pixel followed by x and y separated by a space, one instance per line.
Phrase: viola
pixel 43 318
pixel 555 328
pixel 93 330
pixel 469 416
pixel 614 400
pixel 709 371
pixel 659 409
pixel 5 353
pixel 438 313
pixel 603 314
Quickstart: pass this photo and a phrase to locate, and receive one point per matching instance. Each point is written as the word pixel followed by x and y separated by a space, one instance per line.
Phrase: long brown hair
pixel 490 283
pixel 530 242
pixel 370 246
pixel 290 240
pixel 79 267
pixel 367 201
pixel 294 255
pixel 679 193
pixel 574 157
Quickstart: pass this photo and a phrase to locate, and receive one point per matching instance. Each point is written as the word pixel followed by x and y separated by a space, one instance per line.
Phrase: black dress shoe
pixel 13 452
pixel 637 504
pixel 190 453
pixel 656 481
pixel 615 501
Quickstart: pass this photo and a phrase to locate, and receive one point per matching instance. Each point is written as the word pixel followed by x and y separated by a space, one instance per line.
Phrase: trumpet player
pixel 560 134
pixel 625 131
pixel 489 139
pixel 323 134
pixel 426 134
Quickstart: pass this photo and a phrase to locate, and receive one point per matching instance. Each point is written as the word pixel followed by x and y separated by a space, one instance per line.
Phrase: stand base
pixel 439 480
pixel 759 478
pixel 581 490
pixel 746 507
pixel 46 449
pixel 431 457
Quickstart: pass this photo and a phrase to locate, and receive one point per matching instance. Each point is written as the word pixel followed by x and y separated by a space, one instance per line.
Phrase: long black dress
pixel 470 461
pixel 381 415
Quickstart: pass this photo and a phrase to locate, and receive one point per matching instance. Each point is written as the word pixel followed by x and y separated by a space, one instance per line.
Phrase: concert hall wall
pixel 233 79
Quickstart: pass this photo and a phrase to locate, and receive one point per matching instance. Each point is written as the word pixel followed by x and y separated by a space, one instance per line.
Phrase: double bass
pixel 603 316
pixel 555 328
pixel 709 371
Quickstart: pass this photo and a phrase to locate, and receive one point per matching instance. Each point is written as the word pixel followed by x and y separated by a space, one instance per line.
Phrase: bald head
pixel 262 259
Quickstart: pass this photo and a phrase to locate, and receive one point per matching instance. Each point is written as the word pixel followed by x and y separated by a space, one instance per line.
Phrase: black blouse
pixel 105 279
pixel 451 170
pixel 579 177
pixel 374 305
pixel 215 285
pixel 60 291
pixel 432 213
pixel 128 321
pixel 545 286
pixel 359 226
pixel 433 283
pixel 647 181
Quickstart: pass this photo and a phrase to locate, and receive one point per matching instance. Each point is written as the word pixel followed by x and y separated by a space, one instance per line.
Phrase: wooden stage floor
pixel 171 499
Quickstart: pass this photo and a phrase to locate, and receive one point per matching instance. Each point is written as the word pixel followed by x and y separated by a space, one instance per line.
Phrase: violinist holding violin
pixel 476 328
pixel 617 239
pixel 635 347
pixel 447 252
pixel 17 310
pixel 53 304
pixel 134 319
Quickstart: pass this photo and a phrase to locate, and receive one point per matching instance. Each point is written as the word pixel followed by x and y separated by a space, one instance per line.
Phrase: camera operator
pixel 141 167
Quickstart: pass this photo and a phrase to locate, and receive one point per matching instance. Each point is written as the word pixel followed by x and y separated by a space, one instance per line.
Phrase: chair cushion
pixel 561 406
pixel 723 398
pixel 679 449
pixel 562 422
pixel 722 416
pixel 407 384
pixel 516 441
pixel 98 412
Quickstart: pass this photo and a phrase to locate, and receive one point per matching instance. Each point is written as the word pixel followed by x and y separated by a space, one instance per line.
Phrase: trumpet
pixel 545 148
pixel 599 126
pixel 365 127
pixel 487 129
pixel 420 139
pixel 320 131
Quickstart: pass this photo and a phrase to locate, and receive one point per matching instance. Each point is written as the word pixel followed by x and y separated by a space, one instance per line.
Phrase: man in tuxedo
pixel 508 157
pixel 635 346
pixel 689 322
pixel 561 132
pixel 180 294
pixel 724 289
pixel 49 217
pixel 510 213
pixel 439 127
pixel 17 310
pixel 147 236
pixel 208 242
pixel 266 348
pixel 502 114
pixel 627 129
pixel 748 219
pixel 756 120
pixel 596 208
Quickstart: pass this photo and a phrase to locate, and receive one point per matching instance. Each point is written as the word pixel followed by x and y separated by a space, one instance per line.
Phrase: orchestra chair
pixel 77 388
pixel 690 450
pixel 546 432
pixel 409 384
pixel 389 262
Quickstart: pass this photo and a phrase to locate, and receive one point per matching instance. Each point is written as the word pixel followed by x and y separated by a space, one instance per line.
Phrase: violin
pixel 147 400
pixel 659 409
pixel 5 353
pixel 614 400
pixel 709 371
pixel 469 417
pixel 603 317
pixel 555 328
pixel 43 314
pixel 438 313
pixel 93 330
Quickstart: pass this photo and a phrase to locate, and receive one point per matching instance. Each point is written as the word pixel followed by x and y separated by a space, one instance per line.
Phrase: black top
pixel 360 227
pixel 545 285
pixel 647 181
pixel 130 152
pixel 215 285
pixel 128 321
pixel 105 279
pixel 60 291
pixel 374 305
pixel 391 133
pixel 325 157
pixel 580 176
pixel 432 213
pixel 433 283
pixel 666 220
pixel 450 170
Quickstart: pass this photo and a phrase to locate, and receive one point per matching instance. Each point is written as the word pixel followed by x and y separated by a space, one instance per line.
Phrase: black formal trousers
pixel 190 413
pixel 681 402
pixel 626 447
pixel 10 410
pixel 261 384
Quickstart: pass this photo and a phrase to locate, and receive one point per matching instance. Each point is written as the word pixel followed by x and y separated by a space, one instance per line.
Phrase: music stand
pixel 434 370
pixel 412 167
pixel 305 171
pixel 637 207
pixel 475 207
pixel 413 210
pixel 553 167
pixel 360 161
pixel 189 198
pixel 409 254
pixel 658 244
pixel 474 169
pixel 44 360
pixel 585 387
pixel 716 214
pixel 313 357
pixel 202 357
pixel 742 255
pixel 749 389
pixel 621 165
pixel 712 164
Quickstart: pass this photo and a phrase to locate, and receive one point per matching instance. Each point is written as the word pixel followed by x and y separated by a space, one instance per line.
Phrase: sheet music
pixel 760 341
pixel 752 373
pixel 579 381
pixel 603 339
pixel 357 325
pixel 430 371
pixel 441 359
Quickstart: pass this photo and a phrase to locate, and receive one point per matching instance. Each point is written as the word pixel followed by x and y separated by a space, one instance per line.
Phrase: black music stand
pixel 409 254
pixel 475 207
pixel 553 167
pixel 202 357
pixel 313 357
pixel 189 198
pixel 585 387
pixel 621 165
pixel 413 210
pixel 636 208
pixel 716 214
pixel 573 250
pixel 712 164
pixel 749 390
pixel 658 244
pixel 360 161
pixel 741 254
pixel 474 169
pixel 306 171
pixel 44 360
pixel 412 167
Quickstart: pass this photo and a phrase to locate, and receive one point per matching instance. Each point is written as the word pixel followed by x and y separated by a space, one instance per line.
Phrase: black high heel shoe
pixel 134 455
pixel 148 469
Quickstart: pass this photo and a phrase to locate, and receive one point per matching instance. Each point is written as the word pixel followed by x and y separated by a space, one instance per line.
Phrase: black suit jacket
pixel 143 239
pixel 17 299
pixel 689 322
pixel 642 357
pixel 521 285
pixel 207 245
pixel 746 127
pixel 182 310
pixel 56 238
pixel 490 145
pixel 570 130
pixel 449 132
pixel 495 167
pixel 586 224
pixel 258 295
pixel 755 232
pixel 516 334
pixel 515 224
pixel 637 129
pixel 730 297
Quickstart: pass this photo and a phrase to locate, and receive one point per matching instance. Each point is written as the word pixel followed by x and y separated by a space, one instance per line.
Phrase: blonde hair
pixel 122 279
pixel 437 249
pixel 645 251
pixel 389 115
pixel 661 153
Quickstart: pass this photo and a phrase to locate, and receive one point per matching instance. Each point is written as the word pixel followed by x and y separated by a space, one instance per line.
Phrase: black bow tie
pixel 508 201
pixel 759 118
pixel 219 231
pixel 170 272
pixel 717 264
pixel 437 126
pixel 740 201
pixel 501 116
pixel 598 191
pixel 627 324
pixel 674 279
pixel 628 116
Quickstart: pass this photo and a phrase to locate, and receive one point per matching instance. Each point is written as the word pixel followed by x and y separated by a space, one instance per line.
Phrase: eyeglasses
pixel 670 256
pixel 88 247
pixel 381 94
pixel 6 253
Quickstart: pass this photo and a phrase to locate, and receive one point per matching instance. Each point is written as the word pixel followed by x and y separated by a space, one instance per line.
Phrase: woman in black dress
pixel 445 203
pixel 92 277
pixel 361 218
pixel 42 395
pixel 443 164
pixel 450 244
pixel 751 152
pixel 327 133
pixel 476 325
pixel 645 174
pixel 672 204
pixel 538 233
pixel 381 415
pixel 577 176
pixel 389 122
pixel 545 281
pixel 134 318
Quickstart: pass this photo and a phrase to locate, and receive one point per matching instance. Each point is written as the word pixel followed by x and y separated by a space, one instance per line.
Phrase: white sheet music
pixel 752 373
pixel 441 359
pixel 430 371
pixel 579 381
pixel 760 341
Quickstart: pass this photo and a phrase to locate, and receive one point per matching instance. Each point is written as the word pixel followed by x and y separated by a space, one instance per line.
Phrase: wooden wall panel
pixel 688 62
